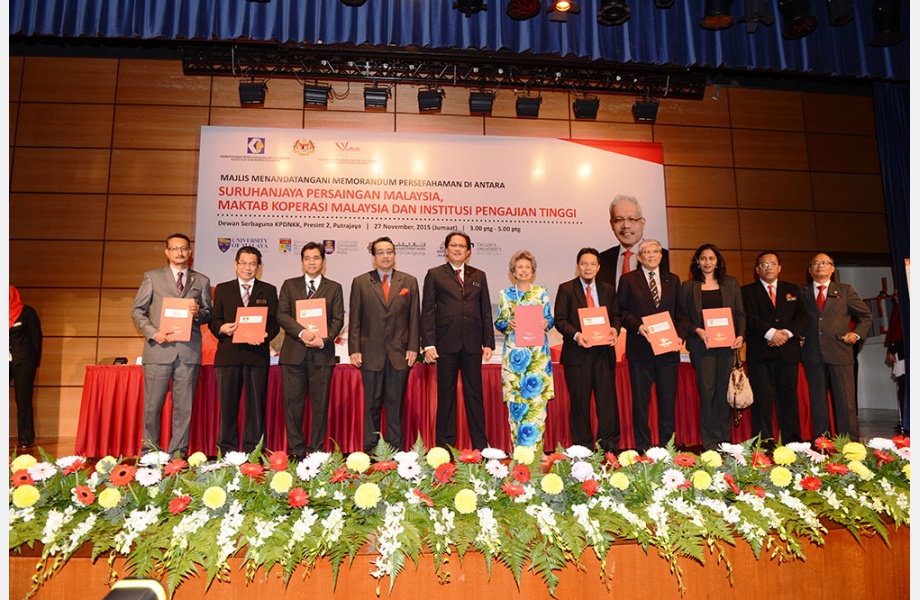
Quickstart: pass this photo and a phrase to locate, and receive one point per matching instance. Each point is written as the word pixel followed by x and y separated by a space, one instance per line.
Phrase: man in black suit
pixel 307 360
pixel 589 368
pixel 457 334
pixel 242 367
pixel 827 352
pixel 775 314
pixel 383 340
pixel 628 226
pixel 646 291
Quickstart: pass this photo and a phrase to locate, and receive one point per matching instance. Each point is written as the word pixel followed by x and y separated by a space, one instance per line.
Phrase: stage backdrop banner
pixel 276 189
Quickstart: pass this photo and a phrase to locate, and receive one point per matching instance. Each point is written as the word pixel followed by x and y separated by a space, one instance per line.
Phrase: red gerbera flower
pixel 21 477
pixel 684 459
pixel 444 472
pixel 760 460
pixel 340 475
pixel 612 459
pixel 84 494
pixel 512 490
pixel 731 483
pixel 644 459
pixel 385 465
pixel 278 461
pixel 423 496
pixel 75 466
pixel 252 470
pixel 755 489
pixel 810 483
pixel 823 444
pixel 883 457
pixel 521 473
pixel 469 456
pixel 176 465
pixel 590 487
pixel 122 475
pixel 298 498
pixel 837 468
pixel 685 485
pixel 179 504
pixel 554 457
pixel 901 442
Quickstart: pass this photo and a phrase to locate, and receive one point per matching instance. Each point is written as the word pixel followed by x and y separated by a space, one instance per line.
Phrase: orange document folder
pixel 720 327
pixel 528 325
pixel 176 319
pixel 661 333
pixel 250 324
pixel 594 325
pixel 312 315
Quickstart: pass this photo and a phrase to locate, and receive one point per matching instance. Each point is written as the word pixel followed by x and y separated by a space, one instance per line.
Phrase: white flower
pixel 42 471
pixel 410 456
pixel 582 471
pixel 409 469
pixel 880 443
pixel 493 454
pixel 318 458
pixel 736 451
pixel 659 454
pixel 307 471
pixel 236 458
pixel 147 476
pixel 672 478
pixel 497 469
pixel 578 452
pixel 799 447
pixel 154 459
pixel 63 463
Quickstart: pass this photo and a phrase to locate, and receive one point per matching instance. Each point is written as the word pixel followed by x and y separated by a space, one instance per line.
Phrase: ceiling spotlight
pixel 469 7
pixel 717 15
pixel 375 98
pixel 664 3
pixel 353 2
pixel 430 100
pixel 613 12
pixel 527 106
pixel 252 92
pixel 586 108
pixel 797 18
pixel 757 12
pixel 645 111
pixel 840 12
pixel 561 9
pixel 886 23
pixel 481 103
pixel 316 96
pixel 520 10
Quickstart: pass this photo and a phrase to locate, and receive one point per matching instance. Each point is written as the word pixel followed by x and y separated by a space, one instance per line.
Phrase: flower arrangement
pixel 176 518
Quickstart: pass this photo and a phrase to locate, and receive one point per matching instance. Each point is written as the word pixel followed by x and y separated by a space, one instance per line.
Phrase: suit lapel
pixel 377 287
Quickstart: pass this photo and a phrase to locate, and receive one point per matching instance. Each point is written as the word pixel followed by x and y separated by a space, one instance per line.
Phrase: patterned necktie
pixel 459 273
pixel 386 288
pixel 626 266
pixel 653 286
pixel 179 284
pixel 772 295
pixel 246 287
pixel 311 290
pixel 821 289
pixel 589 297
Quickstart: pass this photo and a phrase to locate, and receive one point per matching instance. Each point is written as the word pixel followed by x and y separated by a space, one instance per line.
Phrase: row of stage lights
pixel 252 93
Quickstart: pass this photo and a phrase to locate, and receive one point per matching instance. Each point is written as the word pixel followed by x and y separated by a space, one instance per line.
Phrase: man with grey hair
pixel 628 226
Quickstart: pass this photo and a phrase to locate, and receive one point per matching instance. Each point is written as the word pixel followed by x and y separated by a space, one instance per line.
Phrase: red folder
pixel 250 324
pixel 528 325
pixel 176 319
pixel 661 333
pixel 311 314
pixel 594 325
pixel 719 326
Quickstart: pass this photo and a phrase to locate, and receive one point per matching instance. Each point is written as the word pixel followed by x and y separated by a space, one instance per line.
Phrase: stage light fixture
pixel 717 15
pixel 481 103
pixel 316 96
pixel 886 23
pixel 526 106
pixel 797 18
pixel 586 108
pixel 470 7
pixel 252 92
pixel 613 12
pixel 375 98
pixel 353 2
pixel 757 12
pixel 645 111
pixel 664 3
pixel 561 9
pixel 840 12
pixel 429 100
pixel 520 10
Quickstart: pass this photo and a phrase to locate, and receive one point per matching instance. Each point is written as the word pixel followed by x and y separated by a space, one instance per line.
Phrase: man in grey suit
pixel 166 360
pixel 383 340
pixel 827 350
pixel 307 360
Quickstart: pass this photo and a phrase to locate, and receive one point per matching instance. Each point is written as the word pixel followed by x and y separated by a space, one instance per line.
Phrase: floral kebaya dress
pixel 527 372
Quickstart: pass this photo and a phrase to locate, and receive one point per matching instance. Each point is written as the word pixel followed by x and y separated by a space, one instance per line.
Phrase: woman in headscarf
pixel 25 356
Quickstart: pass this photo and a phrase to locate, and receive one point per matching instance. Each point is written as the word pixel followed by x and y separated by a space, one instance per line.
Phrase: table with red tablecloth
pixel 111 415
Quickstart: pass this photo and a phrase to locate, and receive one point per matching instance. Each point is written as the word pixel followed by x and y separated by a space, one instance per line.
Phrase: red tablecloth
pixel 111 415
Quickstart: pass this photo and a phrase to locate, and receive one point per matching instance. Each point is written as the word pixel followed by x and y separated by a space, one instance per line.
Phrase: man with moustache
pixel 628 226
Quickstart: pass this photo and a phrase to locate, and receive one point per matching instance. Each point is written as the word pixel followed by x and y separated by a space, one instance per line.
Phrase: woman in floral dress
pixel 527 371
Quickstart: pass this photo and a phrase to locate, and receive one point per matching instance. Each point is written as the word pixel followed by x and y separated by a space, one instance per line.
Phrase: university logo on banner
pixel 255 145
pixel 285 246
pixel 223 244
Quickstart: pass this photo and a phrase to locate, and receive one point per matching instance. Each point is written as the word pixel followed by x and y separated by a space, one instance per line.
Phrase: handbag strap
pixel 737 358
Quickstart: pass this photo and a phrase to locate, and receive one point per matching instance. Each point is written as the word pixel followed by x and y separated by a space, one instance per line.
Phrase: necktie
pixel 179 284
pixel 386 288
pixel 311 290
pixel 246 287
pixel 459 273
pixel 772 295
pixel 626 266
pixel 821 289
pixel 653 286
pixel 589 297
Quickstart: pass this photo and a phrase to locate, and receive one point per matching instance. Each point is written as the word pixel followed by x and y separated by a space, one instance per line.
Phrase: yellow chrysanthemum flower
pixel 437 456
pixel 367 495
pixel 701 480
pixel 25 496
pixel 23 461
pixel 358 462
pixel 551 484
pixel 854 451
pixel 627 457
pixel 109 497
pixel 619 480
pixel 198 458
pixel 906 470
pixel 282 482
pixel 523 455
pixel 783 455
pixel 711 458
pixel 860 469
pixel 105 465
pixel 780 476
pixel 214 497
pixel 465 501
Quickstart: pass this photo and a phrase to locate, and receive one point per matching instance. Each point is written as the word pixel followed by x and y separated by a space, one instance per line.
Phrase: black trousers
pixel 469 366
pixel 384 392
pixel 253 383
pixel 22 376
pixel 595 374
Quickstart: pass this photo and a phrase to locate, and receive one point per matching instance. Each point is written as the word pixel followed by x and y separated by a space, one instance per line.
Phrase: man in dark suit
pixel 457 334
pixel 166 360
pixel 589 368
pixel 242 367
pixel 775 314
pixel 307 360
pixel 25 357
pixel 647 291
pixel 628 226
pixel 383 340
pixel 827 351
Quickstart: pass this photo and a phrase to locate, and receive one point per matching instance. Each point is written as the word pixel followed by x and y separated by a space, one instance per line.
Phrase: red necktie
pixel 626 267
pixel 589 297
pixel 772 295
pixel 386 288
pixel 179 285
pixel 459 273
pixel 821 289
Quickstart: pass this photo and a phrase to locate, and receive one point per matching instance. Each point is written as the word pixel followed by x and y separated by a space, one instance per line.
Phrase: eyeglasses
pixel 384 252
pixel 767 265
pixel 587 264
pixel 821 263
pixel 625 220
pixel 456 245
pixel 179 249
pixel 651 251
pixel 247 264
